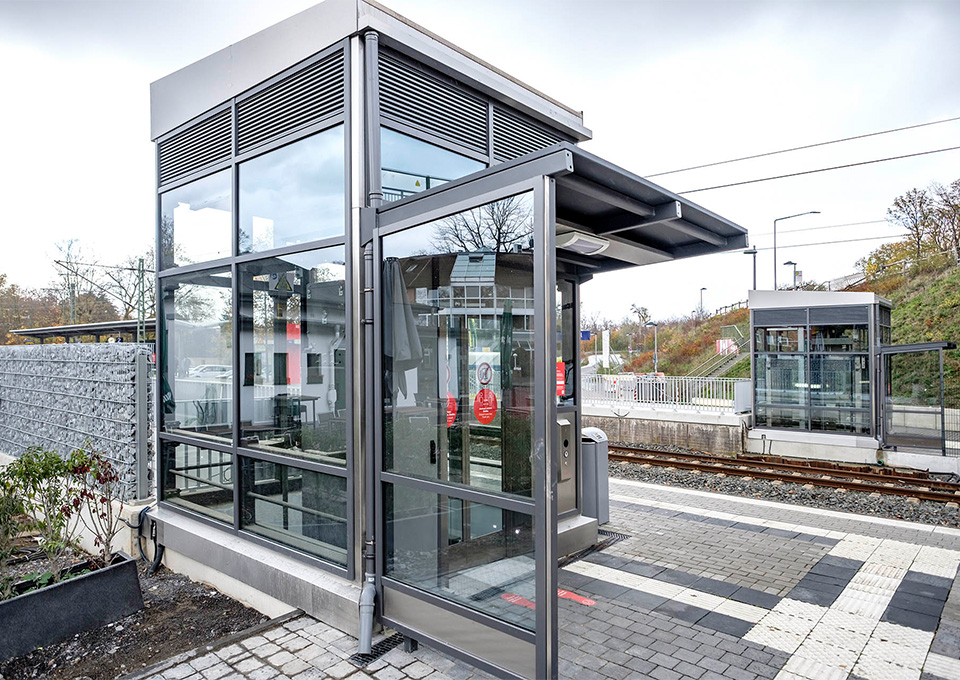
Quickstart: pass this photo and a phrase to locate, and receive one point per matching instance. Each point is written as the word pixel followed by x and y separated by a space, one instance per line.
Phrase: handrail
pixel 689 393
pixel 713 362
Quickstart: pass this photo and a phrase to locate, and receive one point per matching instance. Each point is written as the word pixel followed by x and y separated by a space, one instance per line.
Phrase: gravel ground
pixel 178 615
pixel 894 507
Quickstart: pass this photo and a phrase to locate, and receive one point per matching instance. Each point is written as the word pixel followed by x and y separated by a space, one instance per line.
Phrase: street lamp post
pixel 787 264
pixel 781 219
pixel 753 251
pixel 701 301
pixel 654 324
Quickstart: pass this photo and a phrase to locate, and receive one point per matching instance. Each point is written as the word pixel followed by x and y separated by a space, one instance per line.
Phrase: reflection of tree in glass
pixel 499 226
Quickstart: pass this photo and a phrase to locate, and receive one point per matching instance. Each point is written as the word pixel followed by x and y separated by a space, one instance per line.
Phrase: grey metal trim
pixel 435 643
pixel 459 491
pixel 220 263
pixel 545 418
pixel 371 91
pixel 454 196
pixel 461 610
pixel 290 461
pixel 321 244
pixel 916 347
pixel 218 446
pixel 351 276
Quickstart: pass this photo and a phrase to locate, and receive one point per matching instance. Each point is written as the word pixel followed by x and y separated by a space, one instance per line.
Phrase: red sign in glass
pixel 561 379
pixel 485 406
pixel 451 409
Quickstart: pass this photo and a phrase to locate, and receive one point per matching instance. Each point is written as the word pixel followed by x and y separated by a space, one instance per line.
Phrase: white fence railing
pixel 684 393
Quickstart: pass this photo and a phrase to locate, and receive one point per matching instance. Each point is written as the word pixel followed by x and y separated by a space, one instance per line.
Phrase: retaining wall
pixel 715 433
pixel 63 397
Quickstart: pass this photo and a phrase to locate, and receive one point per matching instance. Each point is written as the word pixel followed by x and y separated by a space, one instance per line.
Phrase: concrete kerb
pixel 225 641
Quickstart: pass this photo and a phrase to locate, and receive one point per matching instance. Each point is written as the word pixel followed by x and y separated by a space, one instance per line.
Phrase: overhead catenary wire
pixel 829 226
pixel 811 172
pixel 830 243
pixel 805 146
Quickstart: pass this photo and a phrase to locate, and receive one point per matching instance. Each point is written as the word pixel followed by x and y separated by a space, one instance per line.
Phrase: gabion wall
pixel 63 397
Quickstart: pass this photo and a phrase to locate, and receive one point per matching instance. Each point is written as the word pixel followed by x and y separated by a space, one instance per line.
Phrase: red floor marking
pixel 576 598
pixel 513 598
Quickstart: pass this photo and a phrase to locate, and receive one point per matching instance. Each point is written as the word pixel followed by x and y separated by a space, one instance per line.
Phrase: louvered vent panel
pixel 205 143
pixel 419 100
pixel 305 97
pixel 513 137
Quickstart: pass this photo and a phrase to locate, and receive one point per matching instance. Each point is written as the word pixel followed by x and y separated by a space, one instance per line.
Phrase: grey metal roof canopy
pixel 77 330
pixel 631 221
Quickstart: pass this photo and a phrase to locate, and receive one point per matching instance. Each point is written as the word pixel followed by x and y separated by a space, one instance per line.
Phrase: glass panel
pixel 840 380
pixel 411 165
pixel 567 342
pixel 293 397
pixel 298 508
pixel 835 420
pixel 458 385
pixel 477 555
pixel 195 221
pixel 198 479
pixel 293 194
pixel 851 338
pixel 197 343
pixel 780 339
pixel 785 418
pixel 780 379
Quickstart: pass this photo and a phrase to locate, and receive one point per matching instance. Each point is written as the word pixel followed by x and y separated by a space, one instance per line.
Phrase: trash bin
pixel 596 476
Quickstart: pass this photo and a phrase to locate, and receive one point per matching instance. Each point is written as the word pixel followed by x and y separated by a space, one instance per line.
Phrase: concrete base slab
pixel 265 579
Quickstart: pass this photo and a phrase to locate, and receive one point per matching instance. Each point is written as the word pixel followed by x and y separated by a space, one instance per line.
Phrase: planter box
pixel 53 614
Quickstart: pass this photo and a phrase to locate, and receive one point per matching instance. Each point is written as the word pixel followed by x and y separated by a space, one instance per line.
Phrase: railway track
pixel 895 483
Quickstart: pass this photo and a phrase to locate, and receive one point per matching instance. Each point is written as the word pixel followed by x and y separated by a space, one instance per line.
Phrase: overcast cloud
pixel 663 85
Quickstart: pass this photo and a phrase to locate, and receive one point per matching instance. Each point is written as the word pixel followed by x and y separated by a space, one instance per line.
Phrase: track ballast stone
pixel 892 507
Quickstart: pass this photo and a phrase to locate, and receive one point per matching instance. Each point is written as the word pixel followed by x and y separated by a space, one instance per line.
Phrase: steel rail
pixel 769 472
pixel 810 467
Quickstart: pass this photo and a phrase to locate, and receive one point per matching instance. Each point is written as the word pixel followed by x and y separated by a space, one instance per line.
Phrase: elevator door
pixel 464 407
pixel 915 410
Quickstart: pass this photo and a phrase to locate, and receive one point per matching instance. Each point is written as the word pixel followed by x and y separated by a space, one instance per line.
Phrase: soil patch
pixel 178 615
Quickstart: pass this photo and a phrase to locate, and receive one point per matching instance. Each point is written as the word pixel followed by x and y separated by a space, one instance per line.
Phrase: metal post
pixel 780 219
pixel 142 434
pixel 943 411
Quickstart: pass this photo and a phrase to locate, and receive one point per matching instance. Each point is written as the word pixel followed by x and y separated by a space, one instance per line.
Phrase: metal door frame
pixel 914 348
pixel 417 210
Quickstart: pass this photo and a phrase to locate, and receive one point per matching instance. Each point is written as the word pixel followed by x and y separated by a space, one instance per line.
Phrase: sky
pixel 663 85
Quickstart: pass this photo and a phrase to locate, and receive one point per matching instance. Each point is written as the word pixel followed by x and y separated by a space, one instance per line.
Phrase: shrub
pixel 41 478
pixel 96 483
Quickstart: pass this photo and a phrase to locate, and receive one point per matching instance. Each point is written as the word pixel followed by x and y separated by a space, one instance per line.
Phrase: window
pixel 198 479
pixel 813 377
pixel 410 165
pixel 294 194
pixel 197 342
pixel 299 508
pixel 491 569
pixel 458 380
pixel 293 394
pixel 195 221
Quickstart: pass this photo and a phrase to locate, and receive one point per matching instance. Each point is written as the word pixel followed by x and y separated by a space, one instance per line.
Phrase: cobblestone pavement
pixel 699 586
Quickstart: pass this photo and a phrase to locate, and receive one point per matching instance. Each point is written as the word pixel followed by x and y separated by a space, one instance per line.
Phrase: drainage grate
pixel 608 539
pixel 378 650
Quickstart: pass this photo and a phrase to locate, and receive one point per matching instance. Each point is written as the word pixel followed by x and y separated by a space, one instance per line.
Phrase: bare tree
pixel 913 211
pixel 499 226
pixel 947 215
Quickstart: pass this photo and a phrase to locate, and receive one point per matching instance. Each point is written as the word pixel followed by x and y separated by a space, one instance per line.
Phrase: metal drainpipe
pixel 374 198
